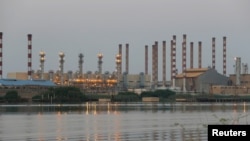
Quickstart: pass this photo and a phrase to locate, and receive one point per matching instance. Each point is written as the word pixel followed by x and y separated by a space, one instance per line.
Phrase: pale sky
pixel 98 26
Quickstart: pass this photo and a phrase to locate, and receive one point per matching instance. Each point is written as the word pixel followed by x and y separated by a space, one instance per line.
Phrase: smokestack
pixel 224 56
pixel 146 59
pixel 120 53
pixel 80 65
pixel 191 55
pixel 164 63
pixel 184 53
pixel 156 63
pixel 213 52
pixel 1 55
pixel 127 58
pixel 100 63
pixel 200 55
pixel 173 60
pixel 29 56
pixel 184 57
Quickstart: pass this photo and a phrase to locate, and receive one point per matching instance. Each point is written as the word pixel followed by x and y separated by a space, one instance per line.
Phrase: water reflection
pixel 117 121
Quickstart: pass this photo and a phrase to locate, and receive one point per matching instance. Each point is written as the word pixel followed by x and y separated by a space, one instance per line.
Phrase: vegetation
pixel 126 97
pixel 164 95
pixel 61 95
pixel 12 96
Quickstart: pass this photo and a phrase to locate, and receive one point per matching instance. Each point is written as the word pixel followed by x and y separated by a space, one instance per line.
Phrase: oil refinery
pixel 190 79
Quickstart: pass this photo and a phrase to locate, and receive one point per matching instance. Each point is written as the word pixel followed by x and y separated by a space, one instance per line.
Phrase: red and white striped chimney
pixel 29 56
pixel 1 55
pixel 213 52
pixel 224 56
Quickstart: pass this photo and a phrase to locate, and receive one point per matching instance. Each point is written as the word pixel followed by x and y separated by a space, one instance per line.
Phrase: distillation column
pixel 118 67
pixel 237 70
pixel 42 60
pixel 1 55
pixel 191 55
pixel 120 53
pixel 80 65
pixel 29 56
pixel 146 59
pixel 199 55
pixel 164 63
pixel 100 56
pixel 61 61
pixel 224 57
pixel 213 52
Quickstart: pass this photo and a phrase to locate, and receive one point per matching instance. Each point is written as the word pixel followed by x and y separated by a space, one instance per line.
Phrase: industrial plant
pixel 190 80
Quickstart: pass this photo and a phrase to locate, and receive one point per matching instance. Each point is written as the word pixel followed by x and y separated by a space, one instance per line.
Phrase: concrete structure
pixel 200 54
pixel 127 58
pixel 100 56
pixel 201 79
pixel 191 55
pixel 42 60
pixel 80 62
pixel 164 79
pixel 61 67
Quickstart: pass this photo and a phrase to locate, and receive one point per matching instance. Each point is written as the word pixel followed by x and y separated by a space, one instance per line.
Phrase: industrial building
pixel 200 80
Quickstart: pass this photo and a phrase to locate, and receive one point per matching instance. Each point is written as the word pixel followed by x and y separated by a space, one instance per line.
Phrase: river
pixel 117 121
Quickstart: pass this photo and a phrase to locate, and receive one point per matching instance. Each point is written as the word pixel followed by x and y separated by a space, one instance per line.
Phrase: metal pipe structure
pixel 42 60
pixel 118 67
pixel 164 63
pixel 127 58
pixel 80 65
pixel 146 59
pixel 191 55
pixel 29 56
pixel 213 52
pixel 120 52
pixel 224 56
pixel 200 55
pixel 237 70
pixel 61 61
pixel 100 56
pixel 1 55
pixel 184 58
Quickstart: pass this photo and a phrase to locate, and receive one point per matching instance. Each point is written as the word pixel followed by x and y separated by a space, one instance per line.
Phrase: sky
pixel 94 26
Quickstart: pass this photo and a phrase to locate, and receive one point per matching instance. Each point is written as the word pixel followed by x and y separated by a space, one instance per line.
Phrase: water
pixel 117 121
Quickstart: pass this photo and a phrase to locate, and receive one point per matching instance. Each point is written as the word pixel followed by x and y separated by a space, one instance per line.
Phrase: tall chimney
pixel 191 55
pixel 200 55
pixel 164 63
pixel 173 60
pixel 29 56
pixel 1 55
pixel 213 52
pixel 146 59
pixel 156 63
pixel 184 57
pixel 224 56
pixel 61 67
pixel 120 53
pixel 127 58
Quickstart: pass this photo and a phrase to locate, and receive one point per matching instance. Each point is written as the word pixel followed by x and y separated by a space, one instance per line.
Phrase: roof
pixel 191 73
pixel 15 82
